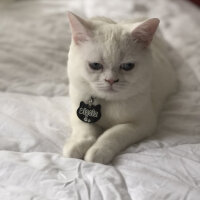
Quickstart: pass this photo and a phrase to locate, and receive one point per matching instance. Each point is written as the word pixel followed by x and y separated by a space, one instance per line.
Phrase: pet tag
pixel 89 113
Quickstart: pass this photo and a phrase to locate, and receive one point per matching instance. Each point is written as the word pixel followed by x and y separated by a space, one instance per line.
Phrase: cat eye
pixel 96 66
pixel 127 66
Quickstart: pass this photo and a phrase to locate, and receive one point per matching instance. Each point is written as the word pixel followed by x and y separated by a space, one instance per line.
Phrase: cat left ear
pixel 79 28
pixel 144 32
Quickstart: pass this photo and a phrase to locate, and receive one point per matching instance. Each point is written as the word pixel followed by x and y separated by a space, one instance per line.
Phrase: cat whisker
pixel 105 87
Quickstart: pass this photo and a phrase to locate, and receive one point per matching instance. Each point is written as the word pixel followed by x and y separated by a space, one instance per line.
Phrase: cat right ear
pixel 79 28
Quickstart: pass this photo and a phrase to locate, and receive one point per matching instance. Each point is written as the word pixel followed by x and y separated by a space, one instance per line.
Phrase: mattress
pixel 35 108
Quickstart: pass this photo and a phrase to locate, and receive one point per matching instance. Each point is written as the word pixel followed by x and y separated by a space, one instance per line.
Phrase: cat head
pixel 110 60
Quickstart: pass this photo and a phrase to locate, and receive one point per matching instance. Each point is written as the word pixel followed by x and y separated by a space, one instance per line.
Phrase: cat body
pixel 127 73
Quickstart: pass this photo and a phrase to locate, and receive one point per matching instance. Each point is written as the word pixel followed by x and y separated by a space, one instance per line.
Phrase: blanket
pixel 35 108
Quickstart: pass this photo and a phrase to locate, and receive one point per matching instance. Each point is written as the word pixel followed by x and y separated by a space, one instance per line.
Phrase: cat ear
pixel 79 28
pixel 144 32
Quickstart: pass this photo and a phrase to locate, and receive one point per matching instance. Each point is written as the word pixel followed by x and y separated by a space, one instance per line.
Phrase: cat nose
pixel 111 81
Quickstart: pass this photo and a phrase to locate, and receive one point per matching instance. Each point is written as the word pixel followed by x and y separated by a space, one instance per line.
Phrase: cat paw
pixel 77 149
pixel 99 155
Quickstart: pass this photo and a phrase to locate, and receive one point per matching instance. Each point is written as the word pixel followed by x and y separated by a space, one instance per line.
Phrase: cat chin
pixel 111 95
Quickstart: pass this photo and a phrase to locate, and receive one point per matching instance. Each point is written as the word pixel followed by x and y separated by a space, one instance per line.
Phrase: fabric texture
pixel 35 108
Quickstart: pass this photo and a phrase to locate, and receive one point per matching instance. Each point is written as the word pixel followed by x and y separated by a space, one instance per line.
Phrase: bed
pixel 35 108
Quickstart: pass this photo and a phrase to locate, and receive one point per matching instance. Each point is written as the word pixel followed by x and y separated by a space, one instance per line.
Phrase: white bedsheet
pixel 34 114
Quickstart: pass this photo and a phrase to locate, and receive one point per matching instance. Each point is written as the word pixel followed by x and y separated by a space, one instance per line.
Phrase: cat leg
pixel 82 138
pixel 116 139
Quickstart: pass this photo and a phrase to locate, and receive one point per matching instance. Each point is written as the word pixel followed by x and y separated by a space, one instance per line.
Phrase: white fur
pixel 130 112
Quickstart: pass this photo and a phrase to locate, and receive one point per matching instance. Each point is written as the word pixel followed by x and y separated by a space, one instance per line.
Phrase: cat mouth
pixel 110 89
pixel 106 89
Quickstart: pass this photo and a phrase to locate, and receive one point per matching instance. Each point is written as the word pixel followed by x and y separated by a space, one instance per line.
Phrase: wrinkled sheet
pixel 35 108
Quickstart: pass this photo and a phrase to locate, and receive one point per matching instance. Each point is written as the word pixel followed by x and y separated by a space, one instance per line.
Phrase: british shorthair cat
pixel 119 77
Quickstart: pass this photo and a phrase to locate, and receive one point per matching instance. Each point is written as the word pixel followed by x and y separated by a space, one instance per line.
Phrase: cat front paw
pixel 99 155
pixel 77 149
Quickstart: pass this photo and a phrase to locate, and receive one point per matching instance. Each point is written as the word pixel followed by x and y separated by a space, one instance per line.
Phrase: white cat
pixel 127 73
